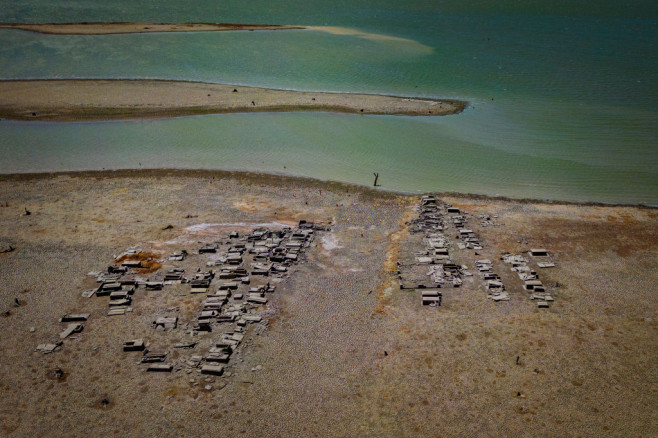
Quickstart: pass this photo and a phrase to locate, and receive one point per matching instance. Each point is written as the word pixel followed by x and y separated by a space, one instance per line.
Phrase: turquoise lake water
pixel 563 100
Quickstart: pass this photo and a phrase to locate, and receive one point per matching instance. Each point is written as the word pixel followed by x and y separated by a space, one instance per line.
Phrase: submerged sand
pixel 346 352
pixel 102 28
pixel 79 100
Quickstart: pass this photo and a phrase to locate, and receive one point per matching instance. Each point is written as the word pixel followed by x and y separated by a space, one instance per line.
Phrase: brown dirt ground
pixel 331 364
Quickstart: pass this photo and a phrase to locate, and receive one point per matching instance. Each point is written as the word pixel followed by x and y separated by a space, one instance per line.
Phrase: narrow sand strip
pixel 80 100
pixel 137 27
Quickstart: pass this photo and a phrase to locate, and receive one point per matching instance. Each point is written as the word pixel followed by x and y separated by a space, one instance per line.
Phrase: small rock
pixel 259 367
pixel 32 329
pixel 208 387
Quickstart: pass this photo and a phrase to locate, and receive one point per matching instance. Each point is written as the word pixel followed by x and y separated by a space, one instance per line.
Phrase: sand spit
pixel 402 43
pixel 338 358
pixel 103 28
pixel 82 100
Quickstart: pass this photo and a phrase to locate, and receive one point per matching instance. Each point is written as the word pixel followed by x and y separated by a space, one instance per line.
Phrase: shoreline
pixel 285 180
pixel 117 99
pixel 113 28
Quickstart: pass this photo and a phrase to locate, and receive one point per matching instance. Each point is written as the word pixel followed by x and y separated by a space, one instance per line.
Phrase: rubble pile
pixel 487 220
pixel 431 268
pixel 468 239
pixel 238 275
pixel 529 276
pixel 495 287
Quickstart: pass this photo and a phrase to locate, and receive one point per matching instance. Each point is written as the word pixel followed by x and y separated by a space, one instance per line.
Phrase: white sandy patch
pixel 195 232
pixel 406 43
pixel 211 227
pixel 330 241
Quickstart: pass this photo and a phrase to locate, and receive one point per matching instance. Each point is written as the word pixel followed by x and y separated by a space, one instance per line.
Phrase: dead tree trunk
pixel 376 178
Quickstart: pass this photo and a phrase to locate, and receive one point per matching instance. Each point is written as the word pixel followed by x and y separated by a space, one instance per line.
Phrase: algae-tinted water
pixel 563 100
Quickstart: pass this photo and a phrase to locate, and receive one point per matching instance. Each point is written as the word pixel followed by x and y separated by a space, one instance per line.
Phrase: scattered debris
pixel 243 271
pixel 160 367
pixel 216 370
pixel 74 317
pixel 134 345
pixel 431 297
pixel 152 357
pixel 71 329
pixel 178 257
pixel 529 276
pixel 48 348
pixel 186 345
pixel 165 323
pixel 432 268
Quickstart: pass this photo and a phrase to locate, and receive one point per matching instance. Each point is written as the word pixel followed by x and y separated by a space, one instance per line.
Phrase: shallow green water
pixel 563 102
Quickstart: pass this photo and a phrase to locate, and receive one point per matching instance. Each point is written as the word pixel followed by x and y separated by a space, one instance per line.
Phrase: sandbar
pixel 86 100
pixel 103 28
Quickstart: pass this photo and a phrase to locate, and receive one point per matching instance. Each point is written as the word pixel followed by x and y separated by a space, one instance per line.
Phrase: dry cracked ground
pixel 346 352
